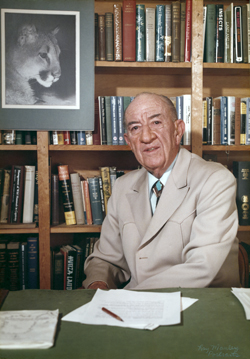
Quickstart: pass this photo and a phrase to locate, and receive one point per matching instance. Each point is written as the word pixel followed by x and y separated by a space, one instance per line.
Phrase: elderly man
pixel 180 232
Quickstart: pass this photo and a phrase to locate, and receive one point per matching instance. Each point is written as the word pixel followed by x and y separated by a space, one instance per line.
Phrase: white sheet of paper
pixel 243 295
pixel 31 329
pixel 141 310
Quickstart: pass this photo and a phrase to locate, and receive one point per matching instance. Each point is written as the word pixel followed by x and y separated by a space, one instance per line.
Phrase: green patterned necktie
pixel 157 189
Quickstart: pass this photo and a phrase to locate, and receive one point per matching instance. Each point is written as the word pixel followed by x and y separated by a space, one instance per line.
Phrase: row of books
pixel 71 137
pixel 84 200
pixel 226 33
pixel 68 264
pixel 19 194
pixel 135 32
pixel 226 120
pixel 19 264
pixel 13 137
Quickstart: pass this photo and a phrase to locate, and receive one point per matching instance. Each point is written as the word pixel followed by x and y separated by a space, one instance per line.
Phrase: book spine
pixel 96 38
pixel 27 138
pixel 96 132
pixel 204 122
pixel 19 195
pixel 150 34
pixel 117 32
pixel 129 19
pixel 13 278
pixel 241 171
pixel 237 121
pixel 227 24
pixel 58 270
pixel 60 138
pixel 12 193
pixel 109 33
pixel 89 138
pixel 224 121
pixel 248 32
pixel 219 40
pixel 89 217
pixel 210 33
pixel 186 105
pixel 33 277
pixel 3 265
pixel 120 111
pixel 55 200
pixel 182 30
pixel 68 205
pixel 23 265
pixel 204 30
pixel 231 119
pixel 209 119
pixel 113 176
pixel 176 23
pixel 102 37
pixel 5 196
pixel 238 34
pixel 36 209
pixel 244 34
pixel 216 122
pixel 140 32
pixel 102 196
pixel 71 268
pixel 73 137
pixel 188 31
pixel 243 115
pixel 168 33
pixel 77 197
pixel 66 136
pixel 114 120
pixel 248 121
pixel 54 137
pixel 95 200
pixel 108 120
pixel 106 185
pixel 29 192
pixel 79 266
pixel 159 32
pixel 102 120
pixel 81 138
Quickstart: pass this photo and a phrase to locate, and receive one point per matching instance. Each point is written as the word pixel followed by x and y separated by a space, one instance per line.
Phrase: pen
pixel 112 314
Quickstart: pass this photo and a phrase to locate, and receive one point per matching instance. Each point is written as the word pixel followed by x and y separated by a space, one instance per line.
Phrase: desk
pixel 215 326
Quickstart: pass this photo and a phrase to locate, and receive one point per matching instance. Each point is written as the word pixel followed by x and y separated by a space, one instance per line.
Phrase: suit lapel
pixel 172 196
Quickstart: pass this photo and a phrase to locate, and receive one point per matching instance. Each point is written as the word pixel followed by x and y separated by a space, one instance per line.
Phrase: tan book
pixel 77 197
pixel 176 24
pixel 102 37
pixel 29 191
pixel 106 183
pixel 118 32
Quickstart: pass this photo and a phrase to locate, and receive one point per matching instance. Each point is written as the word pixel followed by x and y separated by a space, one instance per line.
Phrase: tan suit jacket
pixel 190 241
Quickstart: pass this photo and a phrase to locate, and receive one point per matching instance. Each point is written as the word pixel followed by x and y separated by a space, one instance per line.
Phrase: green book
pixel 109 36
pixel 182 35
pixel 159 32
pixel 140 32
pixel 108 120
pixel 210 33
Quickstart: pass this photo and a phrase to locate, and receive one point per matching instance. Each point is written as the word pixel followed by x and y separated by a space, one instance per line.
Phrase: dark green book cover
pixel 210 33
pixel 159 32
pixel 140 32
pixel 241 170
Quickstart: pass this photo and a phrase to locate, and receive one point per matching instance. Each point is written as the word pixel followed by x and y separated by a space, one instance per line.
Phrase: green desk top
pixel 213 327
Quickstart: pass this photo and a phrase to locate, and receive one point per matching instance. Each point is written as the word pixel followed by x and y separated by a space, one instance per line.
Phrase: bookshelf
pixel 127 79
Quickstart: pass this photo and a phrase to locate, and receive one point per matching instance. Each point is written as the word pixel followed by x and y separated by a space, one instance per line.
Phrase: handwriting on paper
pixel 219 351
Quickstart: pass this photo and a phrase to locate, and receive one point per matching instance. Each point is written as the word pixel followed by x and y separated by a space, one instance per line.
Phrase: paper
pixel 30 329
pixel 243 295
pixel 140 310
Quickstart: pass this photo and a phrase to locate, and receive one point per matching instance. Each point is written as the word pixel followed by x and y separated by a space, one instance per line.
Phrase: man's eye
pixel 134 128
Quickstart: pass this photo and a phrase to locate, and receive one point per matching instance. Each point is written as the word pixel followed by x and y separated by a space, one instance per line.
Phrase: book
pixel 57 269
pixel 109 36
pixel 70 267
pixel 231 119
pixel 81 138
pixel 150 34
pixel 79 265
pixel 66 193
pixel 18 202
pixel 54 200
pixel 89 138
pixel 27 138
pixel 108 120
pixel 32 258
pixel 168 33
pixel 12 193
pixel 1 186
pixel 114 120
pixel 228 34
pixel 209 101
pixel 77 197
pixel 96 38
pixel 102 196
pixel 210 33
pixel 248 32
pixel 54 138
pixel 245 33
pixel 36 208
pixel 95 200
pixel 3 264
pixel 140 32
pixel 248 121
pixel 204 122
pixel 243 116
pixel 13 278
pixel 65 264
pixel 216 122
pixel 105 174
pixel 159 32
pixel 188 31
pixel 186 116
pixel 219 33
pixel 66 136
pixel 113 176
pixel 176 23
pixel 120 112
pixel 224 120
pixel 204 29
pixel 29 193
pixel 101 37
pixel 5 196
pixel 238 34
pixel 23 265
pixel 73 137
pixel 241 171
pixel 182 30
pixel 237 121
pixel 60 137
pixel 128 23
pixel 117 32
pixel 86 194
pixel 102 119
pixel 96 132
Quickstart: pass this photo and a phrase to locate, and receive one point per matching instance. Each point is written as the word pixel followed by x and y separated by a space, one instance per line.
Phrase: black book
pixel 241 170
pixel 219 34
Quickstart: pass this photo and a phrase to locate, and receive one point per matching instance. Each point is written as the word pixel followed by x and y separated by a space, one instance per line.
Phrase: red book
pixel 188 31
pixel 129 20
pixel 66 136
pixel 85 186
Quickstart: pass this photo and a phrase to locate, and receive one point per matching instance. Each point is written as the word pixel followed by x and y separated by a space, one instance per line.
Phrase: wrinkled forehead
pixel 145 106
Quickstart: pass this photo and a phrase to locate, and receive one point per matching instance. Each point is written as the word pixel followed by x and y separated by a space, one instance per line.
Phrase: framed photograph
pixel 47 65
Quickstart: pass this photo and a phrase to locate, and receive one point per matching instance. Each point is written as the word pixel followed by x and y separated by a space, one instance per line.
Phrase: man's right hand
pixel 98 285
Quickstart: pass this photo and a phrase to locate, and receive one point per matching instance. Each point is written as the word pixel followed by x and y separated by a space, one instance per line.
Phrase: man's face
pixel 152 135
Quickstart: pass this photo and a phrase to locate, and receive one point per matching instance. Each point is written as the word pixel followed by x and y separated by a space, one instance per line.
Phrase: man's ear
pixel 126 139
pixel 179 130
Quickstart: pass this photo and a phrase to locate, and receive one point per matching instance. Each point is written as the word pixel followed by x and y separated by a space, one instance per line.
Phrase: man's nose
pixel 147 135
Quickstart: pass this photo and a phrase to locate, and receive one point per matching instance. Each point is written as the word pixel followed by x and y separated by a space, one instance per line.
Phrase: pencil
pixel 112 314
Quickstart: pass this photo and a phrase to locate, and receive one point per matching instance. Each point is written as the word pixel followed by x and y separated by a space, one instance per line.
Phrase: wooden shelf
pixel 226 148
pixel 139 65
pixel 244 229
pixel 18 147
pixel 63 228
